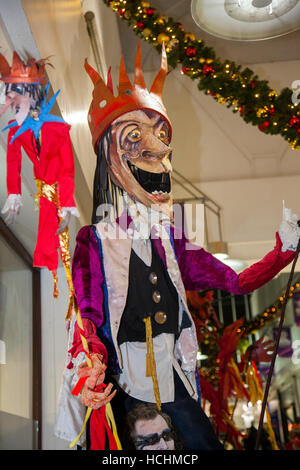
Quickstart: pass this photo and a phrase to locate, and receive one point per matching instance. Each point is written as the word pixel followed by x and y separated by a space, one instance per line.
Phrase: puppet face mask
pixel 19 103
pixel 140 158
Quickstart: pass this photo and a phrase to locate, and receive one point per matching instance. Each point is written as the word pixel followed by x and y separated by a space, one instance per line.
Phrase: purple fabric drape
pixel 87 276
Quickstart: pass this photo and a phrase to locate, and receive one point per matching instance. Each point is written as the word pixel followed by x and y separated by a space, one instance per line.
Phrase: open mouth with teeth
pixel 158 184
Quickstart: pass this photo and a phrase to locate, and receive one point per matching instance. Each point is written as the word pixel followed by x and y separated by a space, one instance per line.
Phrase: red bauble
pixel 191 52
pixel 294 121
pixel 185 70
pixel 253 83
pixel 263 127
pixel 140 25
pixel 180 26
pixel 271 111
pixel 207 69
pixel 149 11
pixel 121 11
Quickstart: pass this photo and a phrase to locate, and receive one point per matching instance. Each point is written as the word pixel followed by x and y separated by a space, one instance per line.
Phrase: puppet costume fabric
pixel 101 273
pixel 45 139
pixel 130 283
pixel 52 165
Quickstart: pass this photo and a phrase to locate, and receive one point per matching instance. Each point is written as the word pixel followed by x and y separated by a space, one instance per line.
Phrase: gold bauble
pixel 272 93
pixel 145 4
pixel 146 32
pixel 127 14
pixel 201 60
pixel 209 61
pixel 115 5
pixel 261 112
pixel 162 37
pixel 162 19
pixel 189 36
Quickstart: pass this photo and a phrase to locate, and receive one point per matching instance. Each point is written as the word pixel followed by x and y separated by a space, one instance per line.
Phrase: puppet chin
pixel 23 110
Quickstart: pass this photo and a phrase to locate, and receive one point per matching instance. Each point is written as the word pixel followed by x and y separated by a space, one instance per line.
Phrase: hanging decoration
pixel 227 82
pixel 223 377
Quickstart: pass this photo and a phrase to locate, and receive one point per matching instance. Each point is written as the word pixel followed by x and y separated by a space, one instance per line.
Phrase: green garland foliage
pixel 240 89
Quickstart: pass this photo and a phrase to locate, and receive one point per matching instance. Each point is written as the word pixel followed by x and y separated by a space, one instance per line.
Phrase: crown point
pixel 138 76
pixel 124 82
pixel 94 75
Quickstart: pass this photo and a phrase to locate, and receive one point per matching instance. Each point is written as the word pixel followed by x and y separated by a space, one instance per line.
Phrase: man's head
pixel 150 429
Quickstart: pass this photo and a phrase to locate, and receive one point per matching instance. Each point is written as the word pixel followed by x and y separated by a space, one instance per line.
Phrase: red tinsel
pixel 140 25
pixel 149 11
pixel 207 69
pixel 262 127
pixel 191 52
pixel 294 121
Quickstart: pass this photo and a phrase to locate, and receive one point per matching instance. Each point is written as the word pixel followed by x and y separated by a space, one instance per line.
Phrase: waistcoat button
pixel 160 317
pixel 156 296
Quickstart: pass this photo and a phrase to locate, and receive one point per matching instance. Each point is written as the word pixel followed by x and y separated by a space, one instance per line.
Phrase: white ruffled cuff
pixel 72 210
pixel 77 361
pixel 13 203
pixel 289 231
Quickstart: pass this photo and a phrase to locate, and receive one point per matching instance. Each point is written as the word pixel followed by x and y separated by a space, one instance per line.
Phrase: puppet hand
pixel 96 374
pixel 94 399
pixel 289 230
pixel 65 213
pixel 12 208
pixel 260 350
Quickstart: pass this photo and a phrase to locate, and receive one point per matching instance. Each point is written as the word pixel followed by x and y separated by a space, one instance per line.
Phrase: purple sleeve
pixel 201 270
pixel 87 276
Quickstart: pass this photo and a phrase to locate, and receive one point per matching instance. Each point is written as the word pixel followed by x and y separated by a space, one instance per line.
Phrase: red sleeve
pixel 14 163
pixel 94 343
pixel 66 173
pixel 263 271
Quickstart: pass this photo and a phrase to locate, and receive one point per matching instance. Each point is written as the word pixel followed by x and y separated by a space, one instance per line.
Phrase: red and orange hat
pixel 32 73
pixel 105 107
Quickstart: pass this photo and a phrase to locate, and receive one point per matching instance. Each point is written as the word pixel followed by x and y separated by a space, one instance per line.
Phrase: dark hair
pixel 35 90
pixel 146 411
pixel 105 191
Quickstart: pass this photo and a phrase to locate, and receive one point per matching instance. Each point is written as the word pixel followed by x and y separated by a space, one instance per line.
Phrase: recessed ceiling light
pixel 247 20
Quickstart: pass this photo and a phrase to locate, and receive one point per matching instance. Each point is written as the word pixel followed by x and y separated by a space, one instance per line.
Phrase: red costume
pixel 53 164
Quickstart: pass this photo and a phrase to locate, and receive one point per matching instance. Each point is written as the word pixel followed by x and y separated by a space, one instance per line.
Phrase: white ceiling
pixel 280 49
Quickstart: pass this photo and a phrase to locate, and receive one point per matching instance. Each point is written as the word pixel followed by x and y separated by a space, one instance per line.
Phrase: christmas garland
pixel 211 333
pixel 229 84
pixel 269 314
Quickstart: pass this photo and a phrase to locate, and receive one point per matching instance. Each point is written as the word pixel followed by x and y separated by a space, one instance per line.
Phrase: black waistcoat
pixel 140 300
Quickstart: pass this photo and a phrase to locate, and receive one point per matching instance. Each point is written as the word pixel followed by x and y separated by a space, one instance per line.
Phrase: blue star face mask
pixel 35 125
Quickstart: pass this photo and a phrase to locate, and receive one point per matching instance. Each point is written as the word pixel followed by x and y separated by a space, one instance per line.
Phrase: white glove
pixel 12 207
pixel 65 213
pixel 289 230
pixel 73 211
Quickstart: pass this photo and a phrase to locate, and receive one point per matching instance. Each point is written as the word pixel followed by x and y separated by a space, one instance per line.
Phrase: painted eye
pixel 162 134
pixel 134 135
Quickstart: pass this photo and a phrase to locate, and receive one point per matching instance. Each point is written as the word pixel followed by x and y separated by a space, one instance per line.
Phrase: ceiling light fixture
pixel 247 20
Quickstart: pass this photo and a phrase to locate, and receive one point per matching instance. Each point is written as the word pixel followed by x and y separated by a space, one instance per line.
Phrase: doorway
pixel 20 351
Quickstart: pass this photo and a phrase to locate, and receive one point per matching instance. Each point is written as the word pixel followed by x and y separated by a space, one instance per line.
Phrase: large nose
pixel 166 164
pixel 154 145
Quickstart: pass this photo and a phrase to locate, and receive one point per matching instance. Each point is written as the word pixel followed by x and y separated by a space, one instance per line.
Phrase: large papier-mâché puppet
pixel 131 271
pixel 45 139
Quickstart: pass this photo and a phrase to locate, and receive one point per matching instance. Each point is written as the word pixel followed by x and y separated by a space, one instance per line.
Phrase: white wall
pixel 54 349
